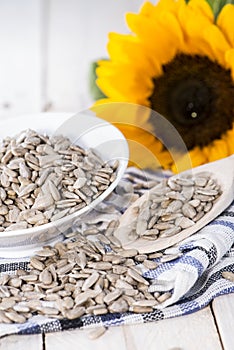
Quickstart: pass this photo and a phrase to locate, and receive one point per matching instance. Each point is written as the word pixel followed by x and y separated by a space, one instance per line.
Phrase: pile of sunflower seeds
pixel 43 179
pixel 172 206
pixel 80 277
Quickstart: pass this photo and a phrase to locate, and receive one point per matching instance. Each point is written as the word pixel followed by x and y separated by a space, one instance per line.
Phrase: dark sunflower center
pixel 196 96
pixel 189 101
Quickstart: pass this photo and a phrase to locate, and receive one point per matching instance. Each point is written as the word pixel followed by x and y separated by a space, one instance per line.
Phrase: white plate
pixel 84 129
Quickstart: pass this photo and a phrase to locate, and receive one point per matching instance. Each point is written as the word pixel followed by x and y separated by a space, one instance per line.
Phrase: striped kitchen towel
pixel 193 279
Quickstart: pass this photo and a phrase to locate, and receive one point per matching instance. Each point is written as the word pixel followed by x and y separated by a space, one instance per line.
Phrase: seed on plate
pixel 170 232
pixel 184 182
pixel 201 181
pixel 189 211
pixel 163 226
pixel 184 222
pixel 207 192
pixel 194 202
pixel 198 216
pixel 208 207
pixel 174 206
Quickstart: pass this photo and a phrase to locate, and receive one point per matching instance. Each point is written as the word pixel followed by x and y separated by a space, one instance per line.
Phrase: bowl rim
pixel 120 171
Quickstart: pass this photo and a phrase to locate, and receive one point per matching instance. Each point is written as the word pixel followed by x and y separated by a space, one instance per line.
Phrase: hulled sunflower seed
pixel 173 205
pixel 46 174
pixel 228 275
pixel 97 333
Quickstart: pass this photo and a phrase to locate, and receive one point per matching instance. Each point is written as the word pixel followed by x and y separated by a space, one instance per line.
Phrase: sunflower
pixel 178 60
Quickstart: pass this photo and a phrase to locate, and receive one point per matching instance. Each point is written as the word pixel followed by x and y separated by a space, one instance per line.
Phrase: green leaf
pixel 94 90
pixel 217 5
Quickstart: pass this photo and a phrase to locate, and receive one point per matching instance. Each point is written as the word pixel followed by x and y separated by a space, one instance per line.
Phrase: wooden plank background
pixel 191 332
pixel 47 47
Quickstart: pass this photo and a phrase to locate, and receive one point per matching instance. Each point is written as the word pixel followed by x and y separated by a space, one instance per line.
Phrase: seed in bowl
pixel 44 178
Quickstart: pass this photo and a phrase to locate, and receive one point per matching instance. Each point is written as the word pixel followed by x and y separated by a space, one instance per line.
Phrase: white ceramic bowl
pixel 84 129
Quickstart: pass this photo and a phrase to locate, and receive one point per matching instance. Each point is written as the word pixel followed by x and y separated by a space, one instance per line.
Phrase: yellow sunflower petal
pixel 126 48
pixel 202 8
pixel 141 156
pixel 169 5
pixel 226 23
pixel 147 9
pixel 165 159
pixel 193 158
pixel 145 150
pixel 217 150
pixel 218 43
pixel 101 102
pixel 166 31
pixel 130 118
pixel 195 42
pixel 229 139
pixel 197 157
pixel 137 86
pixel 229 58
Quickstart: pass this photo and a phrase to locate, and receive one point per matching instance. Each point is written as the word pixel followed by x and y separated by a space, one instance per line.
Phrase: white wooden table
pixel 47 47
pixel 208 329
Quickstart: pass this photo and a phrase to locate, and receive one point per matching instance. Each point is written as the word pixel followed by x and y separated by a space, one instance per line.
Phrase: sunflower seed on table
pixel 97 310
pixel 228 275
pixel 7 304
pixel 119 305
pixel 15 316
pixel 83 286
pixel 170 257
pixel 97 333
pixel 150 264
pixel 140 308
pixel 163 297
